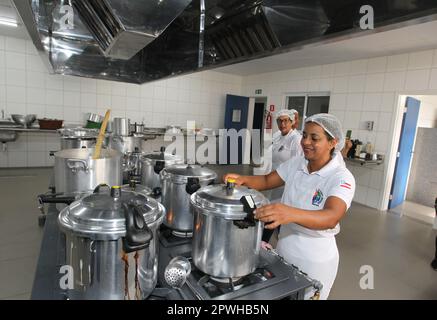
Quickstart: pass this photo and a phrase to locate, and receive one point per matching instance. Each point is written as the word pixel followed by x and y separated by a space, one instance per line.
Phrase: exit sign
pixel 258 91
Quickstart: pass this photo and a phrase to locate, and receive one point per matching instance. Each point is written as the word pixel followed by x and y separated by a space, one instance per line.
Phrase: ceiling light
pixel 8 22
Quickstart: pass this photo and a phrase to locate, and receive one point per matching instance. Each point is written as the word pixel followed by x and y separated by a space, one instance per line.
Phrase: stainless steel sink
pixel 7 135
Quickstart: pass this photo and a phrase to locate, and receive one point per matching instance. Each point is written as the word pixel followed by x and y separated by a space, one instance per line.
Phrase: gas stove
pixel 272 280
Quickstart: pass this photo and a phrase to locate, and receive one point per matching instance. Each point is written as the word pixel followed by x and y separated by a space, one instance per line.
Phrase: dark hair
pixel 330 138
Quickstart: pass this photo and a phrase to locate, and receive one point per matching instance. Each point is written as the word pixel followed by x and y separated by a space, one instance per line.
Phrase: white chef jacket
pixel 313 251
pixel 284 148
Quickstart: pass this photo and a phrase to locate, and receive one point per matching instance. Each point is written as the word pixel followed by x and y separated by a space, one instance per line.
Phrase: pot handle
pixel 159 165
pixel 248 206
pixel 44 198
pixel 192 185
pixel 138 234
pixel 77 164
pixel 97 189
pixel 156 192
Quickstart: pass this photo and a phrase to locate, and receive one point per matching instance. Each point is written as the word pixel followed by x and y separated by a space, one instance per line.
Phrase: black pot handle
pixel 138 234
pixel 44 198
pixel 193 184
pixel 156 192
pixel 248 206
pixel 159 165
pixel 97 189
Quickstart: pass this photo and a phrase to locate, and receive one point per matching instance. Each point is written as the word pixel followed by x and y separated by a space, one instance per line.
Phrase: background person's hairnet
pixel 289 113
pixel 331 125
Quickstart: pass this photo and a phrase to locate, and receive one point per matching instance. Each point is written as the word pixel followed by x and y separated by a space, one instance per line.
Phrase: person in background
pixel 285 146
pixel 347 147
pixel 318 191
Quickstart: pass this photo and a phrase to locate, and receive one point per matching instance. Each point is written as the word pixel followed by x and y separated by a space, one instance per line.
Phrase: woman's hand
pixel 239 179
pixel 273 215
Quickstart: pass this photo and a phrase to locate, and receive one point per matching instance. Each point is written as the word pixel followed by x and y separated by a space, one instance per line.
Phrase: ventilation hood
pixel 145 40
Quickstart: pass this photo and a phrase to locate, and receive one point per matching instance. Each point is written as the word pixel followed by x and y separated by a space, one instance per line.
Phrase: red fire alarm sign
pixel 272 107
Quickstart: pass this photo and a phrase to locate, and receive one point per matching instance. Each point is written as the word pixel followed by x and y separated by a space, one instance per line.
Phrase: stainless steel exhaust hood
pixel 144 40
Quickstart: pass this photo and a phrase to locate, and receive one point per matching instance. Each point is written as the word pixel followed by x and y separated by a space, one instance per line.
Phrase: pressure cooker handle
pixel 138 234
pixel 159 165
pixel 193 184
pixel 248 206
pixel 44 198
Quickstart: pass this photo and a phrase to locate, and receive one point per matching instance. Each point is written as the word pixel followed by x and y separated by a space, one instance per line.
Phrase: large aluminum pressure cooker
pixel 178 183
pixel 152 164
pixel 76 170
pixel 111 244
pixel 226 238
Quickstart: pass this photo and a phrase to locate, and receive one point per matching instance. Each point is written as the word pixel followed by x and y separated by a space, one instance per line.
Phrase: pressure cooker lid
pixel 181 172
pixel 168 158
pixel 222 201
pixel 101 215
pixel 136 187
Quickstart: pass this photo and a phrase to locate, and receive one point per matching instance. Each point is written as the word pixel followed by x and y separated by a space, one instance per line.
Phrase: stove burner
pixel 182 234
pixel 215 287
pixel 169 239
pixel 225 280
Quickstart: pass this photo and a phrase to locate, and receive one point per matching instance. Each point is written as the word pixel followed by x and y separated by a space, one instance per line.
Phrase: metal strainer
pixel 177 272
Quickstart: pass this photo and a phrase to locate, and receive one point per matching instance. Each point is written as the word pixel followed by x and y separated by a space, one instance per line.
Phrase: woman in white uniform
pixel 285 146
pixel 286 141
pixel 318 192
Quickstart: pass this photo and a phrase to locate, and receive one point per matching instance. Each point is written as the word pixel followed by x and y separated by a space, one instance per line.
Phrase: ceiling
pixel 371 44
pixel 7 11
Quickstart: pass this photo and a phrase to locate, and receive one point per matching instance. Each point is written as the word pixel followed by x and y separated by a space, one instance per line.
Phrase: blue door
pixel 237 109
pixel 405 153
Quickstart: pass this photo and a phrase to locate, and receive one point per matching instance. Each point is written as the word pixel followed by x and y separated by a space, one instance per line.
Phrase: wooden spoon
pixel 101 136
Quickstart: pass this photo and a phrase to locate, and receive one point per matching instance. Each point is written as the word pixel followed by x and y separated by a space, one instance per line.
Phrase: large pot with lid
pixel 178 183
pixel 76 170
pixel 111 244
pixel 151 166
pixel 226 237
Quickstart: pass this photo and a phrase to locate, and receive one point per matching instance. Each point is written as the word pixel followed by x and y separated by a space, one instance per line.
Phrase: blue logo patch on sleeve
pixel 317 198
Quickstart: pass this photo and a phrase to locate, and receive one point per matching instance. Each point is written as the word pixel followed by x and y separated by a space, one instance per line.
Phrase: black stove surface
pixel 273 279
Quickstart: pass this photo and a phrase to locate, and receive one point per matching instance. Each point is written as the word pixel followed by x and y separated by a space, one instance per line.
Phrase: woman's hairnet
pixel 331 125
pixel 285 112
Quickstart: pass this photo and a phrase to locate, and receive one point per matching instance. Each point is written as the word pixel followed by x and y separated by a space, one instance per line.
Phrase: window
pixel 308 104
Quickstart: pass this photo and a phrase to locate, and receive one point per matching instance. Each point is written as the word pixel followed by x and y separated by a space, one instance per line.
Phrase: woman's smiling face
pixel 315 143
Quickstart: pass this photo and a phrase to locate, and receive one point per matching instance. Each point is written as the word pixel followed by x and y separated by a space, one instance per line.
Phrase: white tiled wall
pixel 428 111
pixel 361 90
pixel 26 87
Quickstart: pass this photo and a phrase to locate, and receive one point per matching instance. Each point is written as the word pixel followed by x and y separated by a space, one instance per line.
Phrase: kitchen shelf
pixel 21 129
pixel 363 162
